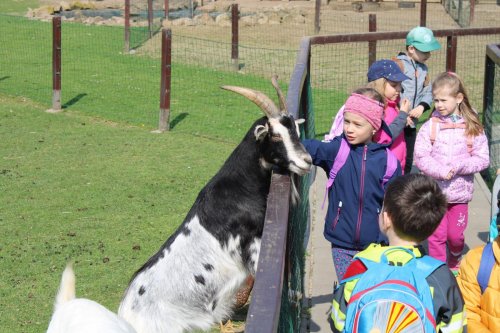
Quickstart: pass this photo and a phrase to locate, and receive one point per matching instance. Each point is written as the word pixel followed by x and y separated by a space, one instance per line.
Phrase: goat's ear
pixel 297 123
pixel 260 132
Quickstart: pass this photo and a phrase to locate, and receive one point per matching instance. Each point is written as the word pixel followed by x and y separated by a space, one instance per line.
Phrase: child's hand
pixel 405 105
pixel 417 112
pixel 409 122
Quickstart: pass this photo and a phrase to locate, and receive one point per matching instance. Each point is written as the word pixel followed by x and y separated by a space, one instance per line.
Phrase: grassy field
pixel 103 194
pixel 91 184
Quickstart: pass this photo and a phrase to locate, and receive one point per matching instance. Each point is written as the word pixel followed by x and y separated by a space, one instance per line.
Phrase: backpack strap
pixel 485 267
pixel 400 63
pixel 434 125
pixel 338 163
pixel 427 265
pixel 437 124
pixel 392 165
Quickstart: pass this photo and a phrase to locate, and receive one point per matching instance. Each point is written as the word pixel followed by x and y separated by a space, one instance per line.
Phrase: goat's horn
pixel 274 81
pixel 261 100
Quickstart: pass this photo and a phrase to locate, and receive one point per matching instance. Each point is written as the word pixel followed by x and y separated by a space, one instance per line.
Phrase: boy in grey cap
pixel 420 42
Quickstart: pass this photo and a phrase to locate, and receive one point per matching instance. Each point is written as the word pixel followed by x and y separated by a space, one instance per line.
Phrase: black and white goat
pixel 191 282
pixel 80 315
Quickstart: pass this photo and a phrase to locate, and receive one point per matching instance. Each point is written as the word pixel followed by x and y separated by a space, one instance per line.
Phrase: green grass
pixel 99 80
pixel 105 195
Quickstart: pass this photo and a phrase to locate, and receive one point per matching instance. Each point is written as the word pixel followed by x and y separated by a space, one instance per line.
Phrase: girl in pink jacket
pixel 450 147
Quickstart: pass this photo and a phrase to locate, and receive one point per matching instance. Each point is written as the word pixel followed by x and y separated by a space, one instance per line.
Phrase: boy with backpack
pixel 420 42
pixel 479 279
pixel 397 288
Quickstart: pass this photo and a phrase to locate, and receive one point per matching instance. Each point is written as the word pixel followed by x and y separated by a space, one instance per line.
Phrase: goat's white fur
pixel 79 315
pixel 231 273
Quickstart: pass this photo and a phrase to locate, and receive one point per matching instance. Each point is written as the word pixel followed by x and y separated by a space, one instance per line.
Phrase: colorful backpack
pixel 390 297
pixel 340 159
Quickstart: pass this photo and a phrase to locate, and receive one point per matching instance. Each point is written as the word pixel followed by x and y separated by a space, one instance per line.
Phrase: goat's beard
pixel 294 193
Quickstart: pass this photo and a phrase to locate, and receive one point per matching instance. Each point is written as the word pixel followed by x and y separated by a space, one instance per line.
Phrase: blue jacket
pixel 355 199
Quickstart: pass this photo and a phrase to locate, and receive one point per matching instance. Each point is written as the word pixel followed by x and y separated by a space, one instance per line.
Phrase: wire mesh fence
pixel 100 79
pixel 334 75
pixel 491 116
pixel 459 10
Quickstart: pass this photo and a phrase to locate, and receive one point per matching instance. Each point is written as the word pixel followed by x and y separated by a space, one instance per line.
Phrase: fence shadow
pixel 74 100
pixel 178 119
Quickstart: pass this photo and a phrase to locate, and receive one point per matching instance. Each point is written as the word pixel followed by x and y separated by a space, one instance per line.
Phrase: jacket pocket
pixel 337 217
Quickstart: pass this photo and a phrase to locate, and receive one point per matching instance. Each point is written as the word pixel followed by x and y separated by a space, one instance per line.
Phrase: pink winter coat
pixel 398 146
pixel 448 152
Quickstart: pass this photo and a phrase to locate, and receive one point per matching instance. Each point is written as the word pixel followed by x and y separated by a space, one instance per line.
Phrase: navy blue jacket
pixel 355 198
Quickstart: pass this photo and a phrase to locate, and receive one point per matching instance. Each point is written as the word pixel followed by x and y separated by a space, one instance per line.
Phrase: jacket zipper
pixel 361 190
pixel 338 215
pixel 416 83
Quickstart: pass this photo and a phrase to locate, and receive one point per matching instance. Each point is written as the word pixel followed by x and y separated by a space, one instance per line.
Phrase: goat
pixel 79 315
pixel 191 282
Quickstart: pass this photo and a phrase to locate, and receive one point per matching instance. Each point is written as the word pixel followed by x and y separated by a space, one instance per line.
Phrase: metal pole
pixel 234 36
pixel 56 65
pixel 126 47
pixel 166 80
pixel 423 13
pixel 372 46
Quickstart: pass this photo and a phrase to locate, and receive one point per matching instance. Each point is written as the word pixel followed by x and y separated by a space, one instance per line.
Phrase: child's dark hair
pixel 416 205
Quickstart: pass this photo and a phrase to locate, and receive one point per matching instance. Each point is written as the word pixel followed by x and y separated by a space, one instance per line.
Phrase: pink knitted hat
pixel 367 108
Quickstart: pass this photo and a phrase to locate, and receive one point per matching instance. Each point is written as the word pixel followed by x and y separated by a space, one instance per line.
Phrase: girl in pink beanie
pixel 385 76
pixel 356 192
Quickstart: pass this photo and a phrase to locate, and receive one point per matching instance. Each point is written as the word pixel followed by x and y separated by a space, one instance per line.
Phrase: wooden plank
pixel 263 314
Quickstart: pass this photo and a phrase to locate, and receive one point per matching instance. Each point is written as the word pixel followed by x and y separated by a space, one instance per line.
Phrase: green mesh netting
pixel 299 220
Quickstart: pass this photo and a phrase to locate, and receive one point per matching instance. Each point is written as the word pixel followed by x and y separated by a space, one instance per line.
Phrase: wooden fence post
pixel 126 48
pixel 235 36
pixel 166 81
pixel 56 65
pixel 317 11
pixel 165 8
pixel 451 53
pixel 150 18
pixel 372 46
pixel 472 8
pixel 423 13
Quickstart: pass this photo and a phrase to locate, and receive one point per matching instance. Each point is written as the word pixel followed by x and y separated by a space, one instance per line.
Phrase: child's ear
pixel 460 98
pixel 386 221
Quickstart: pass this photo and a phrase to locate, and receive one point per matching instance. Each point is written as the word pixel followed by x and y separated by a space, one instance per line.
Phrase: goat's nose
pixel 308 159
